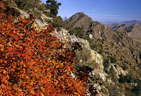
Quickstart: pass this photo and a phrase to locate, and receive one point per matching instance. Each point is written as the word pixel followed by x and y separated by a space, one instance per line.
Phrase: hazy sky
pixel 102 10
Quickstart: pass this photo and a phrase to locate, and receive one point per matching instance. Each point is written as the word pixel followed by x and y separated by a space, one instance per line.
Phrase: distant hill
pixel 131 22
pixel 133 30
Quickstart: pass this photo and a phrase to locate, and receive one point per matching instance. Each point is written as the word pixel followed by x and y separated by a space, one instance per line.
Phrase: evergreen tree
pixel 53 6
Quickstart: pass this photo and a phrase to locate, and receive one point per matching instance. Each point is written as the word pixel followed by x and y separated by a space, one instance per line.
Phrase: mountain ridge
pixel 121 48
pixel 131 22
pixel 133 30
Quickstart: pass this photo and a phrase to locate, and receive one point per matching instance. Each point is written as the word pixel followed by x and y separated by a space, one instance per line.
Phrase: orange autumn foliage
pixel 32 62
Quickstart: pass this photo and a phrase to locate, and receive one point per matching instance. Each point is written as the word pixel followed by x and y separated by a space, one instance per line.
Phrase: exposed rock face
pixel 86 56
pixel 89 57
pixel 118 70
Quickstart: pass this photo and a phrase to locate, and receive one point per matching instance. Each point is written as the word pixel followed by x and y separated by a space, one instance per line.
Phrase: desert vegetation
pixel 33 62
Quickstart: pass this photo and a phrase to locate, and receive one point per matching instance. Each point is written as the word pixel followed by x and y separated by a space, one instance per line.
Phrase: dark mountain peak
pixel 80 19
pixel 90 27
pixel 80 14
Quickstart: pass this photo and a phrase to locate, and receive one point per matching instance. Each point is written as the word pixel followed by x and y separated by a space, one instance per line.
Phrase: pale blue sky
pixel 102 10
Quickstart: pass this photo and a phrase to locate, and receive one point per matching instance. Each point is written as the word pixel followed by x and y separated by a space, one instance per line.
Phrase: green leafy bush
pixel 127 79
pixel 53 6
pixel 78 32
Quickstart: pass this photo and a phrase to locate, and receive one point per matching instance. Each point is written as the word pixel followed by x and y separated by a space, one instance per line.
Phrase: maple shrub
pixel 33 62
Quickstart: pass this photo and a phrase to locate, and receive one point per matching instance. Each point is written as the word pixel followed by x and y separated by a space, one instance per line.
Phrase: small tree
pixel 53 6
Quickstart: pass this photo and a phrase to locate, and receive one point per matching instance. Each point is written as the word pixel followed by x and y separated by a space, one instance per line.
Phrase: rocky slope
pixel 121 56
pixel 110 59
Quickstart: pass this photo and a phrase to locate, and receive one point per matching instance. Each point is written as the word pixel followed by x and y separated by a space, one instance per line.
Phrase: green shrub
pixel 124 67
pixel 113 60
pixel 58 22
pixel 53 6
pixel 126 78
pixel 34 7
pixel 78 32
pixel 105 63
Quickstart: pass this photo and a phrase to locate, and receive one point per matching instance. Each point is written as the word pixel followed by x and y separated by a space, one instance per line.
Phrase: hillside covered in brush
pixel 117 48
pixel 42 55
